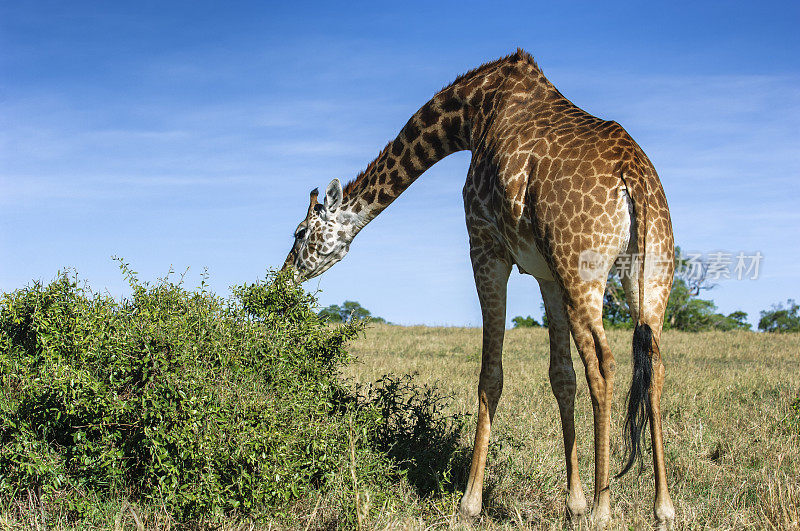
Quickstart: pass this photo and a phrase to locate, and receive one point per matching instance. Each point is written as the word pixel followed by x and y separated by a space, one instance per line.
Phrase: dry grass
pixel 732 437
pixel 732 429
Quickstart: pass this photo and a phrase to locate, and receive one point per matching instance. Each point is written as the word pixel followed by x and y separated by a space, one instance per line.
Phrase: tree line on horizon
pixel 347 312
pixel 686 311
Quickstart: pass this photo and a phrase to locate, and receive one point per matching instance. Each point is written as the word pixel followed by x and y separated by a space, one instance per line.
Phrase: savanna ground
pixel 731 409
pixel 731 426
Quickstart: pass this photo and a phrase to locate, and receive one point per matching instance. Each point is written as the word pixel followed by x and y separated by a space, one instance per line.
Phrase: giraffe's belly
pixel 529 260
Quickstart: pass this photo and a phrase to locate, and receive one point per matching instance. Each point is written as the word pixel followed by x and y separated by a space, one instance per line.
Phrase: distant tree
pixel 348 311
pixel 732 321
pixel 525 322
pixel 693 272
pixel 740 318
pixel 351 310
pixel 332 314
pixel 685 311
pixel 781 318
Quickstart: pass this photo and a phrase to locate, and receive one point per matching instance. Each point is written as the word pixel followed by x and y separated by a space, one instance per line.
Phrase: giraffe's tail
pixel 639 394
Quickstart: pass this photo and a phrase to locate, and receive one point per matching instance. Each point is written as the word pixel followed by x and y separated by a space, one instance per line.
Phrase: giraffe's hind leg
pixel 582 297
pixel 585 313
pixel 562 381
pixel 491 271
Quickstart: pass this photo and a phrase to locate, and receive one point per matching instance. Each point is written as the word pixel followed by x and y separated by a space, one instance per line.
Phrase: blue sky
pixel 188 134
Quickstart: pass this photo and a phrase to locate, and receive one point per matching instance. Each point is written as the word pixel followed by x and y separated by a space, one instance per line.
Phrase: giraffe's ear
pixel 333 196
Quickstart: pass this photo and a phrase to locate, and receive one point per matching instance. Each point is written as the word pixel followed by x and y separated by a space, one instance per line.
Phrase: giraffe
pixel 563 195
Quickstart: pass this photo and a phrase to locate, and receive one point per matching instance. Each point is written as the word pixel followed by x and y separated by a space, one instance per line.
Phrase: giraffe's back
pixel 550 180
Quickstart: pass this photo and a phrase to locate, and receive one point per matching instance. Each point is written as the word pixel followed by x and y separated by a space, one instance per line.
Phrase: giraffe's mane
pixel 360 177
pixel 518 56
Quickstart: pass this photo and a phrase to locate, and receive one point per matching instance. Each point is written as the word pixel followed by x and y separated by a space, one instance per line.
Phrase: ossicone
pixel 313 199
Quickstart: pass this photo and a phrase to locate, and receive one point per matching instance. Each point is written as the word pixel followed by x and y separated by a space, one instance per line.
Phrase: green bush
pixel 525 322
pixel 412 431
pixel 181 399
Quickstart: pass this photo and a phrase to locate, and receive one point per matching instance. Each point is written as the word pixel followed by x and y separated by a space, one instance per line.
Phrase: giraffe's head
pixel 324 236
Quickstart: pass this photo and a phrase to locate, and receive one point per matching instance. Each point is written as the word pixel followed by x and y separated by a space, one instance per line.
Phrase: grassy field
pixel 732 428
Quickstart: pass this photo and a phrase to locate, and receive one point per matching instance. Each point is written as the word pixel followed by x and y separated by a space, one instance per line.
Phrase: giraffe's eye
pixel 300 234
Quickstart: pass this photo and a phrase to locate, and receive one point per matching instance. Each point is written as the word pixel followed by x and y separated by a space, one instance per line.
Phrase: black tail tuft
pixel 639 394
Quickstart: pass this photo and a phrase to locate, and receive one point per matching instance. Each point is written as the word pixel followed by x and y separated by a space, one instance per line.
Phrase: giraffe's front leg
pixel 491 277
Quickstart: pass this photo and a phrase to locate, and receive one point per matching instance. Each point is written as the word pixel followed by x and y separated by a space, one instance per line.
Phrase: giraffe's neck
pixel 455 119
pixel 441 127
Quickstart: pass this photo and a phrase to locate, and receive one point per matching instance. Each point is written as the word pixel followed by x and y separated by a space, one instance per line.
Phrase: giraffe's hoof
pixel 601 517
pixel 577 507
pixel 665 515
pixel 470 506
